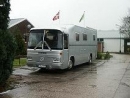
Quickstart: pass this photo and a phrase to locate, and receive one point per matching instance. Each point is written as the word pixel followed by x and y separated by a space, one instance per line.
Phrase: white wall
pixel 113 45
pixel 108 34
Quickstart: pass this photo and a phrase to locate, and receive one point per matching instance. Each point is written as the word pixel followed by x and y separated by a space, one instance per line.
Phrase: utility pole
pixel 120 37
pixel 120 41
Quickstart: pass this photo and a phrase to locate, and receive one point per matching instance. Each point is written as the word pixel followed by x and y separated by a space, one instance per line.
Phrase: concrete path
pixel 102 79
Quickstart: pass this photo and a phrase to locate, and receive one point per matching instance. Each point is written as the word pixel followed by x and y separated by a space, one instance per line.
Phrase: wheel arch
pixel 91 55
pixel 72 58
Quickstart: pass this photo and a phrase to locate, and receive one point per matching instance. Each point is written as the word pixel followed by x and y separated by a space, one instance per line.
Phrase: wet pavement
pixel 102 79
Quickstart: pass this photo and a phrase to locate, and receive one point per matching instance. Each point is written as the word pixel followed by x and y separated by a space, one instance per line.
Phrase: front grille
pixel 45 59
pixel 48 59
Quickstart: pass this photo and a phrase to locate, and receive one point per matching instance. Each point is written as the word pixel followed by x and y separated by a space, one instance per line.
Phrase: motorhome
pixel 61 47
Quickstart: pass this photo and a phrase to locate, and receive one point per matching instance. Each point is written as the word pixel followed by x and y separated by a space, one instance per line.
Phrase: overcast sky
pixel 99 14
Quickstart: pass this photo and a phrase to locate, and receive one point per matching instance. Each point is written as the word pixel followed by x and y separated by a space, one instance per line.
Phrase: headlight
pixel 29 58
pixel 56 60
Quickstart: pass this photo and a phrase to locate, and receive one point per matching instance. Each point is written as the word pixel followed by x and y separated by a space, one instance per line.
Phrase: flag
pixel 82 17
pixel 57 16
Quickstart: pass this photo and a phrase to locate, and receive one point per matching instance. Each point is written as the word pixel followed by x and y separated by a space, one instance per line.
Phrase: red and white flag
pixel 57 16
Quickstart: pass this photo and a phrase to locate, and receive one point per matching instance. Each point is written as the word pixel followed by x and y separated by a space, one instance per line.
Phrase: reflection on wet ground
pixel 102 79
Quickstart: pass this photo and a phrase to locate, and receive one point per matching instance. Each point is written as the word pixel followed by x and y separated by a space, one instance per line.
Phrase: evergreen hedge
pixel 21 48
pixel 7 53
pixel 7 43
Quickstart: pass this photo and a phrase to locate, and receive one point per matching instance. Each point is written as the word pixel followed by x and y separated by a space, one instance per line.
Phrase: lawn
pixel 19 62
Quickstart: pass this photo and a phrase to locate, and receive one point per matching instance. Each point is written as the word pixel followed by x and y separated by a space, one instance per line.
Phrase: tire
pixel 70 64
pixel 90 60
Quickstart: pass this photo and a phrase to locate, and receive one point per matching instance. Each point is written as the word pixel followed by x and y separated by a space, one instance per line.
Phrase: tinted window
pixel 34 38
pixel 94 37
pixel 77 37
pixel 65 41
pixel 51 38
pixel 84 37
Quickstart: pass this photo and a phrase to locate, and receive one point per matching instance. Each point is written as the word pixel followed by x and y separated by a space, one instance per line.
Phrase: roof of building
pixel 109 34
pixel 64 27
pixel 14 22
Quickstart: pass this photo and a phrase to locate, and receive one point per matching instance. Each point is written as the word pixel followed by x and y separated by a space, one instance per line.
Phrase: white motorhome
pixel 61 47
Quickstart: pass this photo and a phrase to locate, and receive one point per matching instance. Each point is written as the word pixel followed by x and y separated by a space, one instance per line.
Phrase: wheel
pixel 70 64
pixel 90 60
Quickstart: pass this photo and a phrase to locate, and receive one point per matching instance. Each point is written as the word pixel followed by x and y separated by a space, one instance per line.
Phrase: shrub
pixel 7 52
pixel 7 43
pixel 107 55
pixel 21 48
pixel 103 55
pixel 99 55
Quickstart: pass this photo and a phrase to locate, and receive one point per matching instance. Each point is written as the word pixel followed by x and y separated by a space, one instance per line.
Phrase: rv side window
pixel 65 41
pixel 94 37
pixel 77 37
pixel 84 37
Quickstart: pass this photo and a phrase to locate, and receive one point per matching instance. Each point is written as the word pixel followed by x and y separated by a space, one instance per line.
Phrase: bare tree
pixel 125 28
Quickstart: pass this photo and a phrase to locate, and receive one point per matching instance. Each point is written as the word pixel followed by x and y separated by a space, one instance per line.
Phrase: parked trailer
pixel 61 47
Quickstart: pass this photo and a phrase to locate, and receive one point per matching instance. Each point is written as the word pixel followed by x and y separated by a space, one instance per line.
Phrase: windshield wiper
pixel 42 45
pixel 37 45
pixel 47 45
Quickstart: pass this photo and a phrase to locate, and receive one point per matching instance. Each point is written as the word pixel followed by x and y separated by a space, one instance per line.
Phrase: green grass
pixel 19 62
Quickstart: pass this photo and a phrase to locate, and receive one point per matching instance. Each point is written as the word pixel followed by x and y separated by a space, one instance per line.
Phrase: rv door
pixel 66 51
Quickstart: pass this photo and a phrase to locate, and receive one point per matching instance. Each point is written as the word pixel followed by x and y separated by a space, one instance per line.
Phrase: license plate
pixel 43 66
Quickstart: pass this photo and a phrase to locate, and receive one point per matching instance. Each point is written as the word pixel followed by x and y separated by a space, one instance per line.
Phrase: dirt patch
pixel 11 83
pixel 16 81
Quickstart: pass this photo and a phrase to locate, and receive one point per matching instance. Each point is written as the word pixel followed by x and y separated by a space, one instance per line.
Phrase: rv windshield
pixel 54 39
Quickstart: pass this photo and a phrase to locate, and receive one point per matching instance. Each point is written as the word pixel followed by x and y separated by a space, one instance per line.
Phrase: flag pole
pixel 59 17
pixel 84 18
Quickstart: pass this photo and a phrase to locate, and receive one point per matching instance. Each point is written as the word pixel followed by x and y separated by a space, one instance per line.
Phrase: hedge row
pixel 7 53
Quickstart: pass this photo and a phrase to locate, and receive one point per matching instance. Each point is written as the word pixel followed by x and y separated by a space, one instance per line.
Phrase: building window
pixel 77 37
pixel 100 39
pixel 84 37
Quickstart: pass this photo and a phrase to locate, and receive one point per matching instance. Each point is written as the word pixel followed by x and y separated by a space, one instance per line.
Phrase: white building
pixel 110 40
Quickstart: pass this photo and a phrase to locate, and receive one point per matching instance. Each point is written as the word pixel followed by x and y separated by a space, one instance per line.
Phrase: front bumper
pixel 58 65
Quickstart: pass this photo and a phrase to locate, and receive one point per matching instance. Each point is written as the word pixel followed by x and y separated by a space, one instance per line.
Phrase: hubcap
pixel 70 64
pixel 90 59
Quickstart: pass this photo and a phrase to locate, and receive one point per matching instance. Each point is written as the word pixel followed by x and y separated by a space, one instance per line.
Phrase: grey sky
pixel 99 14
